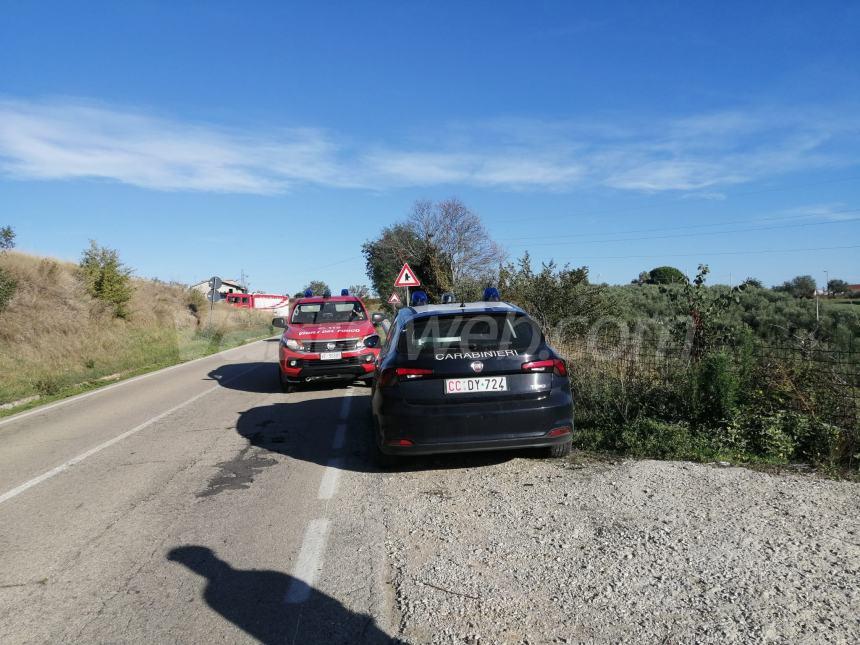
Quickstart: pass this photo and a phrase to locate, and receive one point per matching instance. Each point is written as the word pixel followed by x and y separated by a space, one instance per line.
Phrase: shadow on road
pixel 262 378
pixel 304 428
pixel 255 601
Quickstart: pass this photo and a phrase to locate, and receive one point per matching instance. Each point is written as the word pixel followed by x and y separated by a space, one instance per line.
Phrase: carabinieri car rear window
pixel 469 333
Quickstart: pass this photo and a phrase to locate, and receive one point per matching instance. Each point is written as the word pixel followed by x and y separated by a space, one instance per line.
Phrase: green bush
pixel 106 278
pixel 8 285
pixel 770 436
pixel 662 440
pixel 716 387
pixel 48 384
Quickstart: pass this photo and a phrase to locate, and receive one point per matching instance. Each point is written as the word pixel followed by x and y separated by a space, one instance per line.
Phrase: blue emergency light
pixel 327 293
pixel 448 298
pixel 491 294
pixel 419 298
pixel 309 293
pixel 344 292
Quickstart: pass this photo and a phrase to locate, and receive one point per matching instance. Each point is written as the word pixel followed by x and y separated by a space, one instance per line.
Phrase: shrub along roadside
pixel 696 372
pixel 736 403
pixel 8 285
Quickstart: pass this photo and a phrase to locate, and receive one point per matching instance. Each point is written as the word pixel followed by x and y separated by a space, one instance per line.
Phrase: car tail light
pixel 556 365
pixel 401 442
pixel 558 432
pixel 390 375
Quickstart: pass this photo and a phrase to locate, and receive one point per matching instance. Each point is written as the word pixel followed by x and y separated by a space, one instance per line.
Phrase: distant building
pixel 227 286
pixel 853 288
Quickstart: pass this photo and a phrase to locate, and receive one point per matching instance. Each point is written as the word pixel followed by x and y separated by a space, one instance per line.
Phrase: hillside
pixel 55 339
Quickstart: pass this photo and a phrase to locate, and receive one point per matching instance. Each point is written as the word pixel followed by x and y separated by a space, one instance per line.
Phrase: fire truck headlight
pixel 293 344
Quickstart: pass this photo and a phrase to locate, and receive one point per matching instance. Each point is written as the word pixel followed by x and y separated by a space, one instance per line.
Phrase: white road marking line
pixel 328 483
pixel 339 436
pixel 309 562
pixel 134 379
pixel 107 444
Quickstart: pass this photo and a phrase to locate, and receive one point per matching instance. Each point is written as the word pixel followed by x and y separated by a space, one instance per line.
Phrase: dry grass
pixel 54 336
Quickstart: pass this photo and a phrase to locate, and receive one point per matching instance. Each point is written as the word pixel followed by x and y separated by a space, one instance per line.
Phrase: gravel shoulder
pixel 515 550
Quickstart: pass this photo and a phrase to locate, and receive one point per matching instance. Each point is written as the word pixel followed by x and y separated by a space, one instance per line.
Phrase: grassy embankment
pixel 56 340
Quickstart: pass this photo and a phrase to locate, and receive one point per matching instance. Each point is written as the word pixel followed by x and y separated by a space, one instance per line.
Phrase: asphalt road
pixel 196 504
pixel 200 504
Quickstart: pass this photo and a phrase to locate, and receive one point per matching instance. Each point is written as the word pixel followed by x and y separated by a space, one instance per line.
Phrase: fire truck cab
pixel 327 337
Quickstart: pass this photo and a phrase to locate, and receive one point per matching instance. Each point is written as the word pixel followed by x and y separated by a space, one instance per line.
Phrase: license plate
pixel 476 384
pixel 330 356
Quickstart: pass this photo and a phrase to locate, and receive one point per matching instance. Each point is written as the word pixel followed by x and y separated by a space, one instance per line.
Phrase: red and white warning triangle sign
pixel 407 278
pixel 394 300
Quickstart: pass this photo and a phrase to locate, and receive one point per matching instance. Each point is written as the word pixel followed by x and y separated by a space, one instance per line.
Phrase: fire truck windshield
pixel 312 313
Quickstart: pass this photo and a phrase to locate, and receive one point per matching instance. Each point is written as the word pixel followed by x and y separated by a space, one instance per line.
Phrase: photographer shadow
pixel 274 607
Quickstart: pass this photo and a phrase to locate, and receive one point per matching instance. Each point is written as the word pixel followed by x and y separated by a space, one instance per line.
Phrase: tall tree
pixel 643 278
pixel 318 287
pixel 463 248
pixel 802 286
pixel 359 290
pixel 7 238
pixel 445 243
pixel 666 275
pixel 396 245
pixel 836 287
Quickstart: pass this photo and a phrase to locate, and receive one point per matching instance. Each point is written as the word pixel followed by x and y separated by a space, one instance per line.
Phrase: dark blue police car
pixel 468 376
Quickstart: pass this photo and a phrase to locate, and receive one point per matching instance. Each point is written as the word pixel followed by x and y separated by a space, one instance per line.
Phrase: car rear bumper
pixel 427 429
pixel 475 446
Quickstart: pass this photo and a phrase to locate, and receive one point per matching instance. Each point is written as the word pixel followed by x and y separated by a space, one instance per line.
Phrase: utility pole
pixel 826 279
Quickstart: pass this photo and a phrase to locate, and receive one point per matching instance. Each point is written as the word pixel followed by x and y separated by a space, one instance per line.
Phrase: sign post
pixel 213 295
pixel 407 278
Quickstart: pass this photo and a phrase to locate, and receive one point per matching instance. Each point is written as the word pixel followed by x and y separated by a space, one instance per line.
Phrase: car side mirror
pixel 279 322
pixel 377 318
pixel 371 341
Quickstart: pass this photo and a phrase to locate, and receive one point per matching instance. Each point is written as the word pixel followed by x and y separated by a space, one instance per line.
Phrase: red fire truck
pixel 327 337
pixel 276 304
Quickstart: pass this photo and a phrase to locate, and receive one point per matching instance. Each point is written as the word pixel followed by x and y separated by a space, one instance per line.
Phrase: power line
pixel 702 255
pixel 326 266
pixel 635 209
pixel 685 226
pixel 697 234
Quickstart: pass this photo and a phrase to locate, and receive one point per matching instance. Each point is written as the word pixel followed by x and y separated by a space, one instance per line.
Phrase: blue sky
pixel 213 137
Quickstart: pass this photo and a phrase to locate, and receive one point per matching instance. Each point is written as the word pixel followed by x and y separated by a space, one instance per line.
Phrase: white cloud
pixel 77 140
pixel 693 154
pixel 502 168
pixel 834 212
